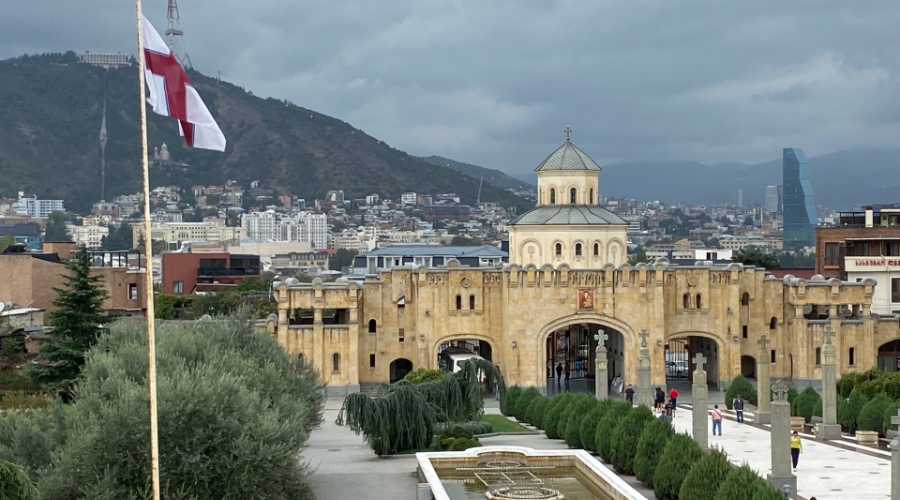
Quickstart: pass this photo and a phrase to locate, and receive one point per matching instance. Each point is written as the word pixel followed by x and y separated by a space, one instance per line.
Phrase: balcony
pixel 227 271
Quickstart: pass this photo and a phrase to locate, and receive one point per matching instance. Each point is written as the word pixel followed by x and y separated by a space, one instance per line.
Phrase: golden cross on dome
pixel 568 132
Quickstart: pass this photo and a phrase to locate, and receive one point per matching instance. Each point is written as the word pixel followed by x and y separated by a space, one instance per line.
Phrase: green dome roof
pixel 567 157
pixel 569 215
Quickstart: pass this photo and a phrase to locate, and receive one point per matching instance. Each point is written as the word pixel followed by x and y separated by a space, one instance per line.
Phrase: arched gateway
pixel 566 278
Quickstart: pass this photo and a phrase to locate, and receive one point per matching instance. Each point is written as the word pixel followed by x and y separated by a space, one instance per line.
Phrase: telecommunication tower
pixel 175 36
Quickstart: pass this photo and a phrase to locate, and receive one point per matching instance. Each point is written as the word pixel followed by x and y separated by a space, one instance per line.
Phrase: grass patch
pixel 502 424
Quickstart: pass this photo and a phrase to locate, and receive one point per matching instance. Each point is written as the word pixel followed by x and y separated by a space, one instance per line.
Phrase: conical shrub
pixel 589 424
pixel 741 483
pixel 650 446
pixel 576 413
pixel 551 419
pixel 549 408
pixel 578 401
pixel 765 491
pixel 535 411
pixel 522 402
pixel 705 477
pixel 606 426
pixel 626 436
pixel 742 386
pixel 508 401
pixel 680 453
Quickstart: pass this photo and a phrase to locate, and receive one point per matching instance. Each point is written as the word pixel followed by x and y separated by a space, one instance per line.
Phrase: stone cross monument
pixel 700 398
pixel 763 406
pixel 645 397
pixel 601 376
pixel 781 441
pixel 895 461
pixel 829 428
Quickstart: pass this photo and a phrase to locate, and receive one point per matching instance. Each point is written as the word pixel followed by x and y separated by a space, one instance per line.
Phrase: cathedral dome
pixel 567 157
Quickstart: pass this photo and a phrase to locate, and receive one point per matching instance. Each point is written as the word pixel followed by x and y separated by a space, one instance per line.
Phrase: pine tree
pixel 626 436
pixel 589 424
pixel 650 447
pixel 705 477
pixel 606 426
pixel 680 453
pixel 78 321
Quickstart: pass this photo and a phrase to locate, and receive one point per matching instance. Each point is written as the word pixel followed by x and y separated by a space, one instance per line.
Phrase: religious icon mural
pixel 586 299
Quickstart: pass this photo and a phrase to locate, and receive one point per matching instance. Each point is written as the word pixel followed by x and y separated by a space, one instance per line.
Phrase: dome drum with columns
pixel 567 224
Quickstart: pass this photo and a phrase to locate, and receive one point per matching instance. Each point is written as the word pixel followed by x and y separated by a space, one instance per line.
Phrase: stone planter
pixel 797 423
pixel 867 437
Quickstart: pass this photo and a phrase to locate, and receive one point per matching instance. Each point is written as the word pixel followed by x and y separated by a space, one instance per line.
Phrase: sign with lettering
pixel 872 264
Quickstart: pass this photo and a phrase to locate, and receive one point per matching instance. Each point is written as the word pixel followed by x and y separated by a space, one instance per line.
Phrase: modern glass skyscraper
pixel 772 199
pixel 799 208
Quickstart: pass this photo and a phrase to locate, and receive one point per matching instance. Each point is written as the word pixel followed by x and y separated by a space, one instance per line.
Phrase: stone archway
pixel 888 356
pixel 748 366
pixel 474 343
pixel 706 344
pixel 399 368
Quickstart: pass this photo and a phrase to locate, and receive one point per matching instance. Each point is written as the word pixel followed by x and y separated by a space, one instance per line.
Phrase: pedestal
pixel 780 436
pixel 601 383
pixel 763 417
pixel 779 482
pixel 763 389
pixel 645 396
pixel 700 403
pixel 828 431
pixel 895 469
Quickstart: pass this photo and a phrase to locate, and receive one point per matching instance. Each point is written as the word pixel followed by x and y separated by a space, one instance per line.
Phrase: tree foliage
pixel 508 402
pixel 848 409
pixel 590 421
pixel 77 323
pixel 120 237
pixel 535 412
pixel 553 415
pixel 680 453
pixel 580 407
pixel 424 375
pixel 753 257
pixel 625 438
pixel 604 432
pixel 15 483
pixel 341 259
pixel 743 483
pixel 523 401
pixel 650 446
pixel 742 386
pixel 234 410
pixel 55 230
pixel 805 404
pixel 871 417
pixel 464 241
pixel 402 416
pixel 705 477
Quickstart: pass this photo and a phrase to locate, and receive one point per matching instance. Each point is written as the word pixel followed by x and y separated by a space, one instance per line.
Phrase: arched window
pixel 335 362
pixel 372 326
pixel 818 356
pixel 773 323
pixel 745 299
pixel 572 194
pixel 578 249
pixel 852 356
pixel 698 301
pixel 458 302
pixel 559 249
pixel 471 302
pixel 591 199
pixel 552 196
pixel 300 357
pixel 596 249
pixel 687 301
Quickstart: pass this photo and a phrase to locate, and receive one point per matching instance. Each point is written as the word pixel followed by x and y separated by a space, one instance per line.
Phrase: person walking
pixel 660 399
pixel 629 394
pixel 796 449
pixel 738 405
pixel 673 398
pixel 559 371
pixel 716 415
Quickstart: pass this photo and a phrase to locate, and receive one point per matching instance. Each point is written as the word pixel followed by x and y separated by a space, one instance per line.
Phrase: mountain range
pixel 49 145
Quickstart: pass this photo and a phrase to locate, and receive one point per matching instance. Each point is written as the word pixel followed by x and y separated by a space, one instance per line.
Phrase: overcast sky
pixel 496 82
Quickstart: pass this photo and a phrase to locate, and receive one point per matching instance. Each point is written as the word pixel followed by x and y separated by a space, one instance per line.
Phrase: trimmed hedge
pixel 743 483
pixel 535 411
pixel 805 404
pixel 871 417
pixel 521 404
pixel 680 453
pixel 606 427
pixel 626 436
pixel 549 408
pixel 508 402
pixel 742 386
pixel 848 411
pixel 654 437
pixel 589 424
pixel 576 413
pixel 705 477
pixel 553 415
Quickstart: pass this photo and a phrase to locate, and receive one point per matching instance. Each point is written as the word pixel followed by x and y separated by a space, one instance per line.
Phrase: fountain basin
pixel 518 473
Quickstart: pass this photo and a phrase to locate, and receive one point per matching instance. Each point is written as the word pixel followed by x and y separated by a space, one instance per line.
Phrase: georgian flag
pixel 172 95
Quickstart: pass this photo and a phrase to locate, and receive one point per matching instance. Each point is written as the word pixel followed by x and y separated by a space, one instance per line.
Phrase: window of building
pixel 578 249
pixel 852 356
pixel 335 362
pixel 744 331
pixel 371 361
pixel 818 356
pixel 458 302
pixel 895 289
pixel 596 249
pixel 132 291
pixel 892 248
pixel 773 355
pixel 372 326
pixel 471 302
pixel 831 254
pixel 572 194
pixel 745 299
pixel 552 196
pixel 178 287
pixel 687 301
pixel 773 323
pixel 699 301
pixel 400 335
pixel 559 249
pixel 591 199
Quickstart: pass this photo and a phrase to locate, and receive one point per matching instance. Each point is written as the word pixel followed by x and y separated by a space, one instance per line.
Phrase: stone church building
pixel 567 278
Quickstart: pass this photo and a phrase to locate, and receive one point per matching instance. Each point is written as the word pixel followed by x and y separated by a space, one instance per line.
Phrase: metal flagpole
pixel 148 256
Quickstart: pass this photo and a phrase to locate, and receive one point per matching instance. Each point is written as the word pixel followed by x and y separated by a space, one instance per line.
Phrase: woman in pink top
pixel 717 419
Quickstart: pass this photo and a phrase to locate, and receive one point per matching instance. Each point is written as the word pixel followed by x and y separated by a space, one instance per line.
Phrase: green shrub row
pixel 635 442
pixel 464 429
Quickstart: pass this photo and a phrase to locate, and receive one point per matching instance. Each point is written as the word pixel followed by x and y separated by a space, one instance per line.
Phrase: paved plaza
pixel 345 467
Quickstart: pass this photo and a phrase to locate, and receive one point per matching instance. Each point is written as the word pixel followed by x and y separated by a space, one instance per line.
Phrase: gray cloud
pixel 494 83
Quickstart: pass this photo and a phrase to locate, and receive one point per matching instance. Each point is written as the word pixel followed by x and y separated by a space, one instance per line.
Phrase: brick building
pixel 185 273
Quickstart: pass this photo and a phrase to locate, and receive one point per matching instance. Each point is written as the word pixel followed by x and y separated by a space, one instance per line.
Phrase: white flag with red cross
pixel 173 95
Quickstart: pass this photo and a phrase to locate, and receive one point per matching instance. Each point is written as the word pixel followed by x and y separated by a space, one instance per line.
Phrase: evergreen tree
pixel 535 412
pixel 650 447
pixel 741 483
pixel 581 407
pixel 508 402
pixel 523 401
pixel 680 453
pixel 705 477
pixel 589 424
pixel 78 321
pixel 552 417
pixel 626 436
pixel 604 431
pixel 15 483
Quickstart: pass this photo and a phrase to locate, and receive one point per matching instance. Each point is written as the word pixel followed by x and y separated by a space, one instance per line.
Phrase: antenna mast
pixel 478 200
pixel 175 36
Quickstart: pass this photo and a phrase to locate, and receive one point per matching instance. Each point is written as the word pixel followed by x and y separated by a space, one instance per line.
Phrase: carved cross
pixel 781 390
pixel 763 342
pixel 828 333
pixel 601 337
pixel 643 335
pixel 568 132
pixel 699 360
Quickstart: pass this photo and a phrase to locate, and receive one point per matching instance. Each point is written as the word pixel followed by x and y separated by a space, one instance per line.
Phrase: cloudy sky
pixel 496 82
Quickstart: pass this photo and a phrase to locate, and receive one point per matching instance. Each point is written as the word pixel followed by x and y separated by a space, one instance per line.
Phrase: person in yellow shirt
pixel 796 449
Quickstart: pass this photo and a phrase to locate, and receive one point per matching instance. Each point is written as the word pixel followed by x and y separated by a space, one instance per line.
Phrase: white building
pixel 408 199
pixel 89 236
pixel 264 226
pixel 105 59
pixel 315 229
pixel 39 209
